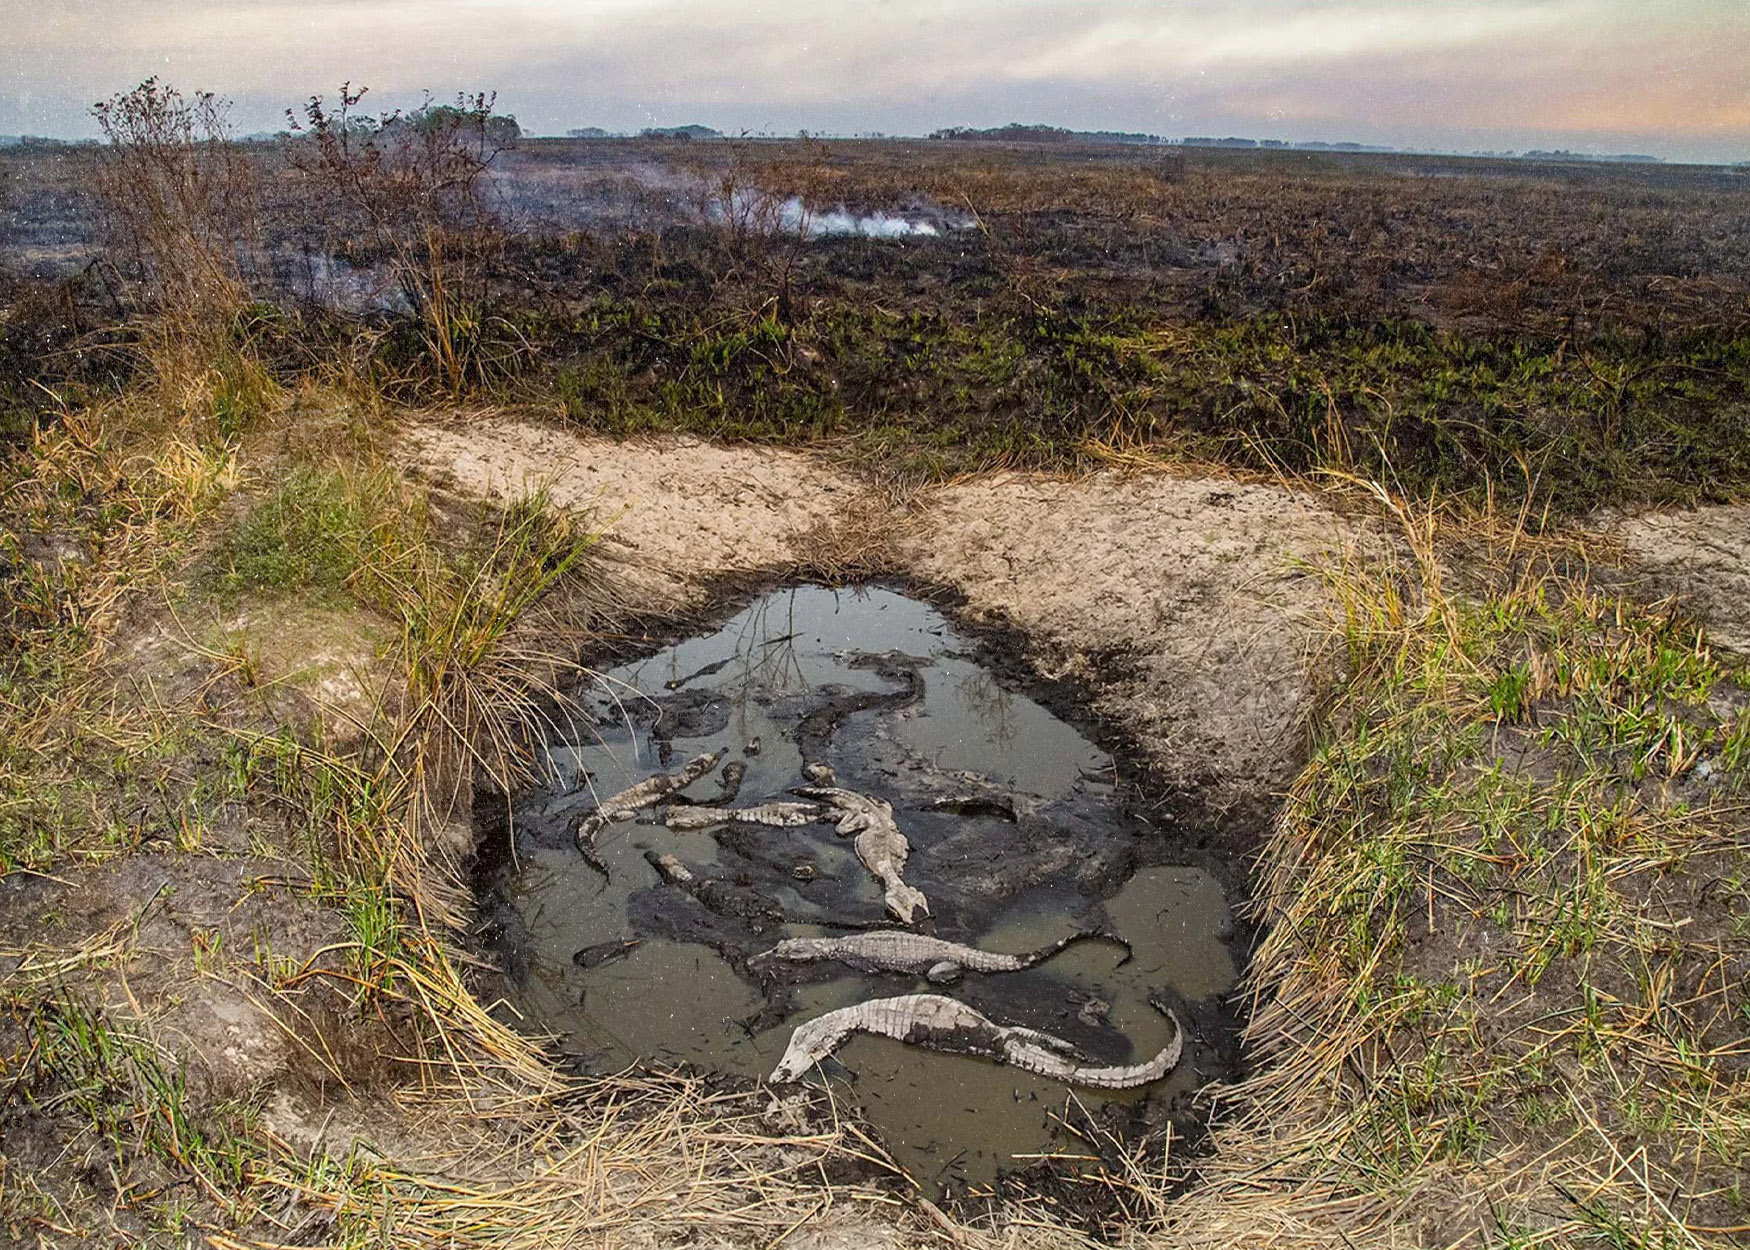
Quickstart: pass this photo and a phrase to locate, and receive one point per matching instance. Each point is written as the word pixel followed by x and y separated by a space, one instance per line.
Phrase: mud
pixel 146 929
pixel 1019 836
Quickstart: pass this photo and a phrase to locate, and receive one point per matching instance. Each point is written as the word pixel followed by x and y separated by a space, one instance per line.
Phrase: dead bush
pixel 409 190
pixel 179 198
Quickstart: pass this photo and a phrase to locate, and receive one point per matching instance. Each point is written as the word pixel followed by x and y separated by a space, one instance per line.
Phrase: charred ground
pixel 1457 325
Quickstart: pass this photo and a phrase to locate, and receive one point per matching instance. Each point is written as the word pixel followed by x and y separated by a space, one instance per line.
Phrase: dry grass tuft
pixel 649 1160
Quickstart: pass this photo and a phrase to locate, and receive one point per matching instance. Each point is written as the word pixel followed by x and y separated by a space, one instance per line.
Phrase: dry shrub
pixel 409 190
pixel 179 194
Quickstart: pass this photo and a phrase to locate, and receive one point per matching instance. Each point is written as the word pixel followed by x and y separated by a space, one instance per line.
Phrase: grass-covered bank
pixel 1500 995
pixel 235 907
pixel 1013 383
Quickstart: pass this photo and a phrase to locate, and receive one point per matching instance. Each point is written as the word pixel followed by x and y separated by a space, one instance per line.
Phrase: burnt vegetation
pixel 1473 327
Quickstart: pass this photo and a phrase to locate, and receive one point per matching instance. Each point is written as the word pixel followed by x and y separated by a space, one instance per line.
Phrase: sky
pixel 1666 77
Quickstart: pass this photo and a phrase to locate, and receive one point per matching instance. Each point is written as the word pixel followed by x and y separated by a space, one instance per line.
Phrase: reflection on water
pixel 827 674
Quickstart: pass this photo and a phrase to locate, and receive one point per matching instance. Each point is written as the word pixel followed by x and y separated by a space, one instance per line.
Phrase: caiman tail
pixel 1035 958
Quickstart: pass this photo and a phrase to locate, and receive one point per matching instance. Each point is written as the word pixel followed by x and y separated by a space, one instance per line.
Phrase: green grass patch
pixel 133 1099
pixel 312 531
pixel 1497 899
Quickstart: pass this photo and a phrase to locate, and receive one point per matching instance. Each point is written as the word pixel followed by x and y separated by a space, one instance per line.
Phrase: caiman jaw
pixel 904 902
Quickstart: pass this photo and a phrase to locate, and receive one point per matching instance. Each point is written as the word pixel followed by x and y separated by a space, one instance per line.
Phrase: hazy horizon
pixel 1597 76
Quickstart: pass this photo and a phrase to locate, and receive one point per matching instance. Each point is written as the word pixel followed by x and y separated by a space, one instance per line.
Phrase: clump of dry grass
pixel 647 1160
pixel 474 675
pixel 857 543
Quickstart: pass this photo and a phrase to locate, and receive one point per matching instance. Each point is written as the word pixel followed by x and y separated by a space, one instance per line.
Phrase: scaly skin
pixel 941 961
pixel 880 845
pixel 783 815
pixel 729 787
pixel 673 871
pixel 646 793
pixel 944 1024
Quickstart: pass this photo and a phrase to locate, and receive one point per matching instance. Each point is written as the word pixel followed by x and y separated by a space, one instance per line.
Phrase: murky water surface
pixel 878 687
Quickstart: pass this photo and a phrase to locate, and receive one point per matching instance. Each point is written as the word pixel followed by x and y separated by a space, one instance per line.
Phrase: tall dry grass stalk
pixel 482 663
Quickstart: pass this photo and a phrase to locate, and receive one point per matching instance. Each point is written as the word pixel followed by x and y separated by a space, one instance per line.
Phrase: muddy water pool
pixel 881 689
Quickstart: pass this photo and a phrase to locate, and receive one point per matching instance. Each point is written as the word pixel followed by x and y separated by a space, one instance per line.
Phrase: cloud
pixel 1497 73
pixel 1184 39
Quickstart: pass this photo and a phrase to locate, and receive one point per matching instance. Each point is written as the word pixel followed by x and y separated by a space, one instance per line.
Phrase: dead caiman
pixel 939 1023
pixel 782 815
pixel 647 793
pixel 880 845
pixel 728 788
pixel 723 897
pixel 937 959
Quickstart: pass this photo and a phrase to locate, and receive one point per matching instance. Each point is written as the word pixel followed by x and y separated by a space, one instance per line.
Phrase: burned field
pixel 1273 565
pixel 1450 325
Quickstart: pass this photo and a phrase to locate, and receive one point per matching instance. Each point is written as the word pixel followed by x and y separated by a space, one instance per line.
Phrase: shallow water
pixel 1070 861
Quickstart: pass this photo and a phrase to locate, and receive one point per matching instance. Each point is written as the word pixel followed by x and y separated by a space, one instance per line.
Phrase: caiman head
pixel 791 1068
pixel 809 1044
pixel 905 902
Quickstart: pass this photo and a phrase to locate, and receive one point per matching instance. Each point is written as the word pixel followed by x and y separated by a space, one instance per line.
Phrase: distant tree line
pixel 692 131
pixel 1562 154
pixel 1020 132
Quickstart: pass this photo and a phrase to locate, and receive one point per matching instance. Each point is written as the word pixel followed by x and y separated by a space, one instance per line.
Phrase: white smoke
pixel 758 212
pixel 333 284
pixel 875 224
pixel 840 221
pixel 644 194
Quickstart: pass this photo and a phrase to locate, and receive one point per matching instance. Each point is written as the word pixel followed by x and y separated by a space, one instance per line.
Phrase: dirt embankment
pixel 1700 556
pixel 1187 606
pixel 178 945
pixel 675 511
